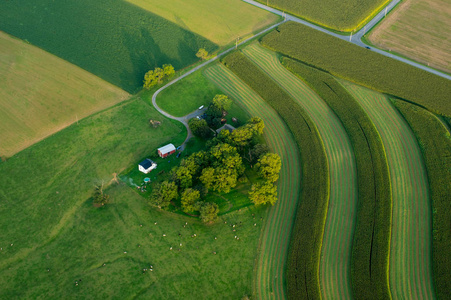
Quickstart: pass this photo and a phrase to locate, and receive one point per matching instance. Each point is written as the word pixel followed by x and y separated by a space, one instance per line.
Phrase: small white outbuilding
pixel 146 166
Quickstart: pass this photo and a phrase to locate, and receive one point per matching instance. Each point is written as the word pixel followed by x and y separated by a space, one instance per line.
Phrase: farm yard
pixel 418 29
pixel 348 15
pixel 353 204
pixel 41 94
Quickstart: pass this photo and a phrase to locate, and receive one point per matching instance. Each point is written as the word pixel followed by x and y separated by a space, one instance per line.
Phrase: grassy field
pixel 340 222
pixel 370 246
pixel 112 39
pixel 41 94
pixel 220 21
pixel 361 66
pixel 270 266
pixel 435 144
pixel 53 237
pixel 345 15
pixel 410 265
pixel 418 29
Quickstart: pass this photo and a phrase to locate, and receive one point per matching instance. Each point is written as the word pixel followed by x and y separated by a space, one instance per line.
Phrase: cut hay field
pixel 220 21
pixel 341 15
pixel 52 236
pixel 269 267
pixel 113 39
pixel 420 30
pixel 336 249
pixel 40 94
pixel 410 263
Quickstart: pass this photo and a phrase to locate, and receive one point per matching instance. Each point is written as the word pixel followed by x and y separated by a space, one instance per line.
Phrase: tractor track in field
pixel 410 265
pixel 337 241
pixel 274 241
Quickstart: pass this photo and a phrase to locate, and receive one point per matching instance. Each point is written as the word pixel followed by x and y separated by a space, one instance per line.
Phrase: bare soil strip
pixel 337 241
pixel 410 270
pixel 274 241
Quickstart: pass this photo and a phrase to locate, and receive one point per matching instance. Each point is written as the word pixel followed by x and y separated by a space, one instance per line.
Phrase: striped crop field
pixel 410 263
pixel 337 241
pixel 274 241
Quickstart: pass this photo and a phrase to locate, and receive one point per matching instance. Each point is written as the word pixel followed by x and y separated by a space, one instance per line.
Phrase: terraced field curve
pixel 270 266
pixel 336 249
pixel 410 262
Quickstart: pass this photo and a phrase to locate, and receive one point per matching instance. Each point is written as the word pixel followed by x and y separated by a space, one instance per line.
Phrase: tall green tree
pixel 262 193
pixel 207 177
pixel 209 212
pixel 222 102
pixel 168 70
pixel 182 176
pixel 202 54
pixel 164 193
pixel 150 79
pixel 268 166
pixel 189 199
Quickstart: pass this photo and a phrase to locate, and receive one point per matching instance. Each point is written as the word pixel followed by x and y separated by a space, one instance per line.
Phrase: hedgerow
pixel 435 144
pixel 305 244
pixel 344 15
pixel 361 66
pixel 369 262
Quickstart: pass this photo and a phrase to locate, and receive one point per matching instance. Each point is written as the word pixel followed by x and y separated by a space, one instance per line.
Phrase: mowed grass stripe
pixel 337 241
pixel 410 268
pixel 275 237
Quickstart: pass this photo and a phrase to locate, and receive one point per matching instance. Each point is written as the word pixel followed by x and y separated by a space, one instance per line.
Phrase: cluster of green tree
pixel 218 169
pixel 435 144
pixel 213 116
pixel 156 76
pixel 202 54
pixel 370 249
pixel 307 233
pixel 359 65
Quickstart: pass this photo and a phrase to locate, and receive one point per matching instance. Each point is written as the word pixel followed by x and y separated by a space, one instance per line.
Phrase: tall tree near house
pixel 268 166
pixel 262 193
pixel 209 212
pixel 164 193
pixel 189 199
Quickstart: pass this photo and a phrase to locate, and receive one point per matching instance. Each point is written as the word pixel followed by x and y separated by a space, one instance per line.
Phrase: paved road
pixel 357 37
pixel 195 113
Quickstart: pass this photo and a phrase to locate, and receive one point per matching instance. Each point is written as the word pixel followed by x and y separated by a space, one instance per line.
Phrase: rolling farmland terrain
pixel 270 266
pixel 346 15
pixel 220 21
pixel 410 268
pixel 41 94
pixel 335 265
pixel 418 29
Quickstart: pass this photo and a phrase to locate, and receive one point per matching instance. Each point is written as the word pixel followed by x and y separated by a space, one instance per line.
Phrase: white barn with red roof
pixel 166 150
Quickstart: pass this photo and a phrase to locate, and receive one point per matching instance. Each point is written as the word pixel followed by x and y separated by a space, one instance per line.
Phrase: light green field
pixel 40 94
pixel 410 265
pixel 220 21
pixel 269 270
pixel 337 241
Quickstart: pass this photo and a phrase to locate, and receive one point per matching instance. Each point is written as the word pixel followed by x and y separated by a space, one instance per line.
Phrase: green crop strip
pixel 435 144
pixel 370 250
pixel 361 66
pixel 343 15
pixel 305 245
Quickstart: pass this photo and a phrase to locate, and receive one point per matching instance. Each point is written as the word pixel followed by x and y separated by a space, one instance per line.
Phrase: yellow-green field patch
pixel 220 21
pixel 419 29
pixel 41 94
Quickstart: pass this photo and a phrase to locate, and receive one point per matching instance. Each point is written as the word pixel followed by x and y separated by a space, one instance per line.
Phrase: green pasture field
pixel 113 39
pixel 41 94
pixel 274 239
pixel 435 144
pixel 410 262
pixel 370 247
pixel 314 187
pixel 356 64
pixel 220 21
pixel 418 29
pixel 190 93
pixel 335 265
pixel 342 15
